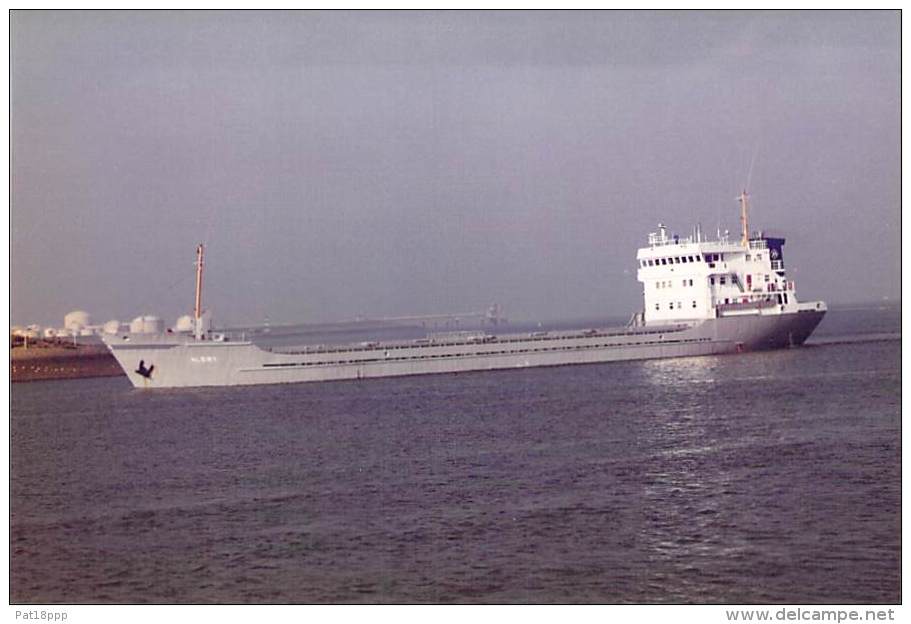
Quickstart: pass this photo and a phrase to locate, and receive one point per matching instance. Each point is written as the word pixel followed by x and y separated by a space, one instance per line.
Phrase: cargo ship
pixel 702 296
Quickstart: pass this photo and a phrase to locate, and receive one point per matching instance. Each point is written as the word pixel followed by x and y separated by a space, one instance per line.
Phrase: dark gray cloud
pixel 392 163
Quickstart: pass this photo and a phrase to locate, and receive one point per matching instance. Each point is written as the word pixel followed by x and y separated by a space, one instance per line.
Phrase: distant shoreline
pixel 45 361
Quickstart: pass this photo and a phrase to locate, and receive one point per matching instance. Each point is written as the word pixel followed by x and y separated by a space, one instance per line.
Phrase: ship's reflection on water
pixel 677 371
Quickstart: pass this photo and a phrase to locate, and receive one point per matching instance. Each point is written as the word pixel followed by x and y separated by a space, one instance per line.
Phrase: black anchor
pixel 145 372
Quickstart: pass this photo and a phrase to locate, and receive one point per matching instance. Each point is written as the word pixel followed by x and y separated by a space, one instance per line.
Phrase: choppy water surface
pixel 761 477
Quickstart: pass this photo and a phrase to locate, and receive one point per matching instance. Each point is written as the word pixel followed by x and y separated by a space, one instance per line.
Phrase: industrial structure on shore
pixel 75 324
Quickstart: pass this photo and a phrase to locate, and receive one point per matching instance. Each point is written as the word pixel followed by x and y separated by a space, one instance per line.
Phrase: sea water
pixel 749 478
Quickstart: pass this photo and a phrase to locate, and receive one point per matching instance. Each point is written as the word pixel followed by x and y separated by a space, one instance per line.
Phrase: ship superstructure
pixel 701 296
pixel 697 278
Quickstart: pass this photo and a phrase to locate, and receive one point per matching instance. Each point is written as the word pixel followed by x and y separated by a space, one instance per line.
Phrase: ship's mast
pixel 197 310
pixel 744 223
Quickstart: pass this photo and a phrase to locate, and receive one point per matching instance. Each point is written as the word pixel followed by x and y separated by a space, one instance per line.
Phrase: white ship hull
pixel 182 361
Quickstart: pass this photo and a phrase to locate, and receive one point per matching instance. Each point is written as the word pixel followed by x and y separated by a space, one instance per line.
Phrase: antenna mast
pixel 197 311
pixel 744 223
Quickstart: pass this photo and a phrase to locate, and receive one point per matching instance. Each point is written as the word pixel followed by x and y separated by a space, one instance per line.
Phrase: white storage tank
pixel 111 327
pixel 184 324
pixel 50 332
pixel 146 325
pixel 77 319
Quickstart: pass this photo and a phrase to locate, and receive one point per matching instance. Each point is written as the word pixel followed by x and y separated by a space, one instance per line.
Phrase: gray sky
pixel 341 164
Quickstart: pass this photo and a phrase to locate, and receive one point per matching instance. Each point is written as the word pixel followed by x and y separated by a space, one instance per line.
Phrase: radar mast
pixel 744 223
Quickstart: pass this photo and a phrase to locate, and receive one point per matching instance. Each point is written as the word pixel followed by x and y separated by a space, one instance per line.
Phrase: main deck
pixel 188 362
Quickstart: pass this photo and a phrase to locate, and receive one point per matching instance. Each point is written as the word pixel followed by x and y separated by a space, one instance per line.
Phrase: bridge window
pixel 722 280
pixel 683 259
pixel 694 304
pixel 712 281
pixel 657 306
pixel 671 305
